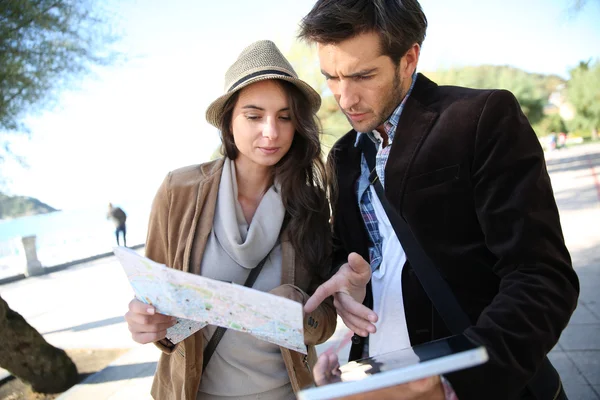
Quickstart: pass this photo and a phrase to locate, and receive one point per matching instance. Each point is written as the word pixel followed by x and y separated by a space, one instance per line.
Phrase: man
pixel 118 216
pixel 466 172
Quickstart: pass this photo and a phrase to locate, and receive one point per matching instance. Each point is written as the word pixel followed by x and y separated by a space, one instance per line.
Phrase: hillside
pixel 497 77
pixel 531 90
pixel 21 206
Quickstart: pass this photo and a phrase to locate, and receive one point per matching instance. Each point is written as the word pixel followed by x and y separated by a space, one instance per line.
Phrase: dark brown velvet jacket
pixel 467 173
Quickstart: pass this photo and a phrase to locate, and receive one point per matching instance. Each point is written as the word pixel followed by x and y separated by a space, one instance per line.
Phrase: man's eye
pixel 364 77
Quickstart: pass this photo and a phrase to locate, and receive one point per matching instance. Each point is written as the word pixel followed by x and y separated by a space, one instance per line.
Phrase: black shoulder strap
pixel 218 335
pixel 434 285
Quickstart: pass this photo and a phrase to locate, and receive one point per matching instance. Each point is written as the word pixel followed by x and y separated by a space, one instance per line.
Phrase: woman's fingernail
pixel 150 310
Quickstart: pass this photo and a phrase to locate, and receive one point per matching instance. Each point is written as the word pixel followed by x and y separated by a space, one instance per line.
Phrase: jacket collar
pixel 211 168
pixel 414 125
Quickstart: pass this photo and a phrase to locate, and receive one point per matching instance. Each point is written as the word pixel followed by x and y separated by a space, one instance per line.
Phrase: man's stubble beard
pixel 395 98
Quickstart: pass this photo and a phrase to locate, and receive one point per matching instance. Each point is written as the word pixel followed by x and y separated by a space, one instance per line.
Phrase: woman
pixel 264 200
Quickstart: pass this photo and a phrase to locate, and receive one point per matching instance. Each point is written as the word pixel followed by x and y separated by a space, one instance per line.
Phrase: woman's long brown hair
pixel 303 179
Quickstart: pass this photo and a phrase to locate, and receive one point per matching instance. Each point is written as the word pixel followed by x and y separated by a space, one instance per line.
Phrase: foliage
pixel 579 5
pixel 44 45
pixel 216 154
pixel 532 90
pixel 550 124
pixel 583 92
pixel 333 122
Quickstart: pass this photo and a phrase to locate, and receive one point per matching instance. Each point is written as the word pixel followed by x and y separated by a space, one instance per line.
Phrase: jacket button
pixel 356 339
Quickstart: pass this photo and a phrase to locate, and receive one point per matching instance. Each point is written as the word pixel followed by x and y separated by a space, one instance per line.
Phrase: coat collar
pixel 415 124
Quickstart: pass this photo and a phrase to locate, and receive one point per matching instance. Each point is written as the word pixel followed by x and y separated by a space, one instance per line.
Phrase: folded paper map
pixel 197 301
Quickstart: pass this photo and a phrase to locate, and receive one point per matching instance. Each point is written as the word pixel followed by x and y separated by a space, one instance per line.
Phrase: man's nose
pixel 348 96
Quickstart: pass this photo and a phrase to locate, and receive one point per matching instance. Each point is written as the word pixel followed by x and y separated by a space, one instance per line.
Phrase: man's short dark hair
pixel 399 23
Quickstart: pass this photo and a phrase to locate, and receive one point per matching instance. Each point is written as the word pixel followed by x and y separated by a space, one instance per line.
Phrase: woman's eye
pixel 252 117
pixel 286 117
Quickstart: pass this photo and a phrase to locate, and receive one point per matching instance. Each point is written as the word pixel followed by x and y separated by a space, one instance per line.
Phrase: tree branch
pixel 26 23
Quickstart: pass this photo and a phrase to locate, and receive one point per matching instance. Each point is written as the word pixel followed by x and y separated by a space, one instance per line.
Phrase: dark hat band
pixel 259 73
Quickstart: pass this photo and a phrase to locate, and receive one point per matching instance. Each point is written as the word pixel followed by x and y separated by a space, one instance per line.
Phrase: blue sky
pixel 116 135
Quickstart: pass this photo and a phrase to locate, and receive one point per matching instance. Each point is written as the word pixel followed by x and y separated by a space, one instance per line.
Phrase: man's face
pixel 366 85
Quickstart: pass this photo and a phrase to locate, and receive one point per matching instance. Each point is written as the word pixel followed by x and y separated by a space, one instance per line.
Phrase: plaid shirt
pixel 365 201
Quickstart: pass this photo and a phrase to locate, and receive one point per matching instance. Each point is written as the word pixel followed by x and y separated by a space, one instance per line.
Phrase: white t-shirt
pixel 386 282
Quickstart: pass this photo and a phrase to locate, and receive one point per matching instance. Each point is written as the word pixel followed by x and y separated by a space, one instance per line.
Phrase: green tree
pixel 305 61
pixel 583 92
pixel 550 124
pixel 216 154
pixel 44 45
pixel 531 90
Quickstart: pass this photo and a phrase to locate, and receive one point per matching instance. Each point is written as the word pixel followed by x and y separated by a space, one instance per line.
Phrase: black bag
pixel 218 335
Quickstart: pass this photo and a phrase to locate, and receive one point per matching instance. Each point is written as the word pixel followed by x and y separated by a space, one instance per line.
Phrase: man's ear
pixel 409 61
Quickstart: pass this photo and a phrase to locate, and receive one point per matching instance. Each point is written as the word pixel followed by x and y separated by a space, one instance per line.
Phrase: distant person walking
pixel 562 141
pixel 118 216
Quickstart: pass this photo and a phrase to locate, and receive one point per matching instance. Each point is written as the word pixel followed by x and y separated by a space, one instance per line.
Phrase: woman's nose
pixel 270 129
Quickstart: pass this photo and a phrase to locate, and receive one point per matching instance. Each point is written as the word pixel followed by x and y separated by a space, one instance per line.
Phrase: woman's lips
pixel 269 150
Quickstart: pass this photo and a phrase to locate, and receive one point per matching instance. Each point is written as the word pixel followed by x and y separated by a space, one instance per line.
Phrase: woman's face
pixel 261 124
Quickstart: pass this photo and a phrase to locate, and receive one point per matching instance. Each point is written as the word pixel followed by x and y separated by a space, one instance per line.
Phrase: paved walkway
pixel 83 306
pixel 576 180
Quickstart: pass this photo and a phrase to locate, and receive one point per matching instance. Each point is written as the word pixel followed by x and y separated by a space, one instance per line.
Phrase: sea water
pixel 66 236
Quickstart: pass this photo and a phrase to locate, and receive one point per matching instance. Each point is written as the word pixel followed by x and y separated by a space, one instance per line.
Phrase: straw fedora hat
pixel 260 61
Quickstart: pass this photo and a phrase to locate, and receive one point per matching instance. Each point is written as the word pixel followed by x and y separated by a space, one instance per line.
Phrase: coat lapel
pixel 414 125
pixel 204 213
pixel 346 214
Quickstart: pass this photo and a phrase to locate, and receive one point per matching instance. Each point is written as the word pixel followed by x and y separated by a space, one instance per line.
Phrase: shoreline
pixel 63 266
